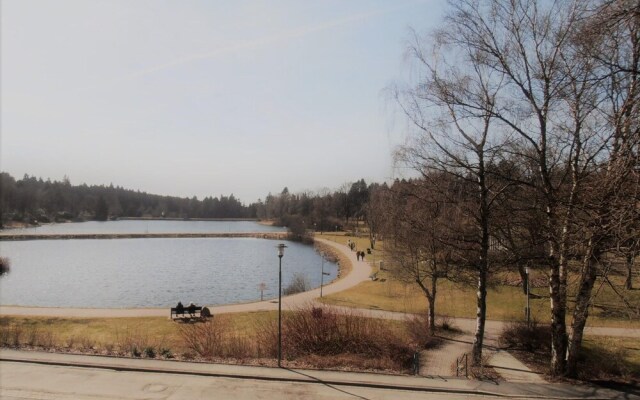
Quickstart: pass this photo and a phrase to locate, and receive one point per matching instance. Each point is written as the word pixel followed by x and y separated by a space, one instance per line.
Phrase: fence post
pixel 466 366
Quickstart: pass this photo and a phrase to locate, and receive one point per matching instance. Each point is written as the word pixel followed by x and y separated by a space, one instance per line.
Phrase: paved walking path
pixel 439 362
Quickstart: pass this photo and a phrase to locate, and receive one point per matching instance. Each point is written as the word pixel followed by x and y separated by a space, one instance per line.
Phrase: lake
pixel 156 272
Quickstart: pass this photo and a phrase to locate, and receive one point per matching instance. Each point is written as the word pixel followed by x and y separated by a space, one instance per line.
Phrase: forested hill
pixel 32 199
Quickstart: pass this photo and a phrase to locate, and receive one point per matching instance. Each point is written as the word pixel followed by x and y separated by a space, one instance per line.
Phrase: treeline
pixel 34 200
pixel 321 211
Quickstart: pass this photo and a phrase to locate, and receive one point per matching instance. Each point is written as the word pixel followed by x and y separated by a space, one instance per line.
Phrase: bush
pixel 327 337
pixel 298 284
pixel 165 352
pixel 149 352
pixel 133 342
pixel 11 335
pixel 417 327
pixel 5 265
pixel 446 324
pixel 216 338
pixel 532 338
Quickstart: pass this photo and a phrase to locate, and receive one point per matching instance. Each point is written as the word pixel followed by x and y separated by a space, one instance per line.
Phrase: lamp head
pixel 281 248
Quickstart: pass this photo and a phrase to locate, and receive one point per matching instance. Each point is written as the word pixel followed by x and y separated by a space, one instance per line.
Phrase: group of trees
pixel 33 199
pixel 322 211
pixel 527 143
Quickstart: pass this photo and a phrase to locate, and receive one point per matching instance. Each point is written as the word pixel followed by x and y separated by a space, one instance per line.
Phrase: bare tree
pixel 418 253
pixel 376 211
pixel 452 109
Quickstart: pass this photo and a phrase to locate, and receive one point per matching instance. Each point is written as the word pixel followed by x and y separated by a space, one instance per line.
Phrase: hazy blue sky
pixel 204 97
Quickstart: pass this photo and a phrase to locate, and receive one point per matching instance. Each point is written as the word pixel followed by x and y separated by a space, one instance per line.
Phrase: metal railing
pixel 462 365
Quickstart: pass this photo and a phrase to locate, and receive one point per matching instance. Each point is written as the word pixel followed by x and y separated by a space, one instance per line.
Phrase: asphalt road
pixel 32 381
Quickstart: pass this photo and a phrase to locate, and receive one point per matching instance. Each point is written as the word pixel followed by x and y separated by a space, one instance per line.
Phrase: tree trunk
pixel 481 315
pixel 628 283
pixel 581 312
pixel 523 277
pixel 432 305
pixel 431 301
pixel 558 324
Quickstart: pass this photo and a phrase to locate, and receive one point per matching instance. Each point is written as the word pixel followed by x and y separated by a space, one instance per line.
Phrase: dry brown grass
pixel 313 338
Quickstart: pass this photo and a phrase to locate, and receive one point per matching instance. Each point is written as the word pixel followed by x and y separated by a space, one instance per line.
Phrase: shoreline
pixel 356 272
pixel 67 236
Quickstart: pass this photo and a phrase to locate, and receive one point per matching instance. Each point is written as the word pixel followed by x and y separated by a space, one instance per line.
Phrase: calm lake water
pixel 156 272
pixel 142 226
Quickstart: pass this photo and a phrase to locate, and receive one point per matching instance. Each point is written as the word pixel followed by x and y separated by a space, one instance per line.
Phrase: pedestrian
pixel 358 256
pixel 362 255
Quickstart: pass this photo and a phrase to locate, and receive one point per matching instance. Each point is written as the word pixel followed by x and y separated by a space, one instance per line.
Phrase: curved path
pixel 359 272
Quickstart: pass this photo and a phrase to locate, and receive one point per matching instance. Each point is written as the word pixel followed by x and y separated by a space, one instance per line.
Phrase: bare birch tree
pixel 451 109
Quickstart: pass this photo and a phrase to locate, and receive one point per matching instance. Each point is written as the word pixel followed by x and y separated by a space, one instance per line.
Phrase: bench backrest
pixel 186 309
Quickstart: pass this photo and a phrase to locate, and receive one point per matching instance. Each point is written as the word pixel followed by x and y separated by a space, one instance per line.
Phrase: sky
pixel 203 98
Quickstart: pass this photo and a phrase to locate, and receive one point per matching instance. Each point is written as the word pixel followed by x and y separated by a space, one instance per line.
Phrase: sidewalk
pixel 345 379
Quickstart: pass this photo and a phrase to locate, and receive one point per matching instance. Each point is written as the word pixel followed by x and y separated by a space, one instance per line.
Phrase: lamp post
pixel 281 248
pixel 528 311
pixel 322 274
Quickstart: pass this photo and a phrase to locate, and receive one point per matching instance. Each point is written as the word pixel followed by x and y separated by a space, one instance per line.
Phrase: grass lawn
pixel 310 339
pixel 504 302
pixel 623 352
pixel 101 333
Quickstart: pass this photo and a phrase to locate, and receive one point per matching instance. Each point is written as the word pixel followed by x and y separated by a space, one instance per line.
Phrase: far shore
pixel 66 236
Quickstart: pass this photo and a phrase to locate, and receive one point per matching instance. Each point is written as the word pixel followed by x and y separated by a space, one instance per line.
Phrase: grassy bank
pixel 505 302
pixel 312 338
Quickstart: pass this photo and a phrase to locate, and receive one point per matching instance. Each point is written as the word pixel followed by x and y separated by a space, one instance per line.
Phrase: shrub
pixel 5 265
pixel 317 332
pixel 149 352
pixel 417 327
pixel 133 341
pixel 446 324
pixel 532 338
pixel 31 338
pixel 134 351
pixel 298 284
pixel 165 352
pixel 11 335
pixel 204 339
pixel 46 339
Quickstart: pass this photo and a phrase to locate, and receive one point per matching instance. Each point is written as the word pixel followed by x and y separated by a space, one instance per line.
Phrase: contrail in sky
pixel 249 44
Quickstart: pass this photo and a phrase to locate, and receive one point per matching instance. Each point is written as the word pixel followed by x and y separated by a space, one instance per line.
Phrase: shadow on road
pixel 327 384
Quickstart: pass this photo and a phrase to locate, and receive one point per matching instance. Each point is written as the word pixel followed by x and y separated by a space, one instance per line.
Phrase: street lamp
pixel 281 248
pixel 322 274
pixel 528 311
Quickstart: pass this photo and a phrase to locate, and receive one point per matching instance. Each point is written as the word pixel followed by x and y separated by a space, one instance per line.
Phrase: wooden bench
pixel 188 313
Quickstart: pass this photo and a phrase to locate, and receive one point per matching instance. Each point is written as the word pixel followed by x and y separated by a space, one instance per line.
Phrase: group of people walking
pixel 352 246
